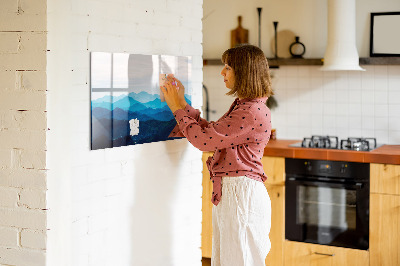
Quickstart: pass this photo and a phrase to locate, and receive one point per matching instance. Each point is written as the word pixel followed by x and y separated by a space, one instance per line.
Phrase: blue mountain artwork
pixel 111 118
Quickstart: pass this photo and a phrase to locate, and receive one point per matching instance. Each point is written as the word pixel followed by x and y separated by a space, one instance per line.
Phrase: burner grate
pixel 332 142
pixel 327 142
pixel 358 144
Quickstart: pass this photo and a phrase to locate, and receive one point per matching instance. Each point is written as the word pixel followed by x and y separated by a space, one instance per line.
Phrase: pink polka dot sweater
pixel 238 139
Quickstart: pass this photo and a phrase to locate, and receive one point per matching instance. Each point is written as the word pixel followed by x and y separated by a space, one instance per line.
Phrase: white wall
pixel 311 102
pixel 306 19
pixel 23 133
pixel 134 205
pixel 343 104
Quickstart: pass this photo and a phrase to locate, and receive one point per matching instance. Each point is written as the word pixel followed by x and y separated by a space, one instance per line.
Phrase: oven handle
pixel 357 185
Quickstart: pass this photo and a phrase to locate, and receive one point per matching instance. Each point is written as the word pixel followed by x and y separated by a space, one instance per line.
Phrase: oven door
pixel 327 213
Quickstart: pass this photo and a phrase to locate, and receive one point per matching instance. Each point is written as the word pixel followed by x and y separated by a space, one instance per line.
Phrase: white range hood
pixel 341 51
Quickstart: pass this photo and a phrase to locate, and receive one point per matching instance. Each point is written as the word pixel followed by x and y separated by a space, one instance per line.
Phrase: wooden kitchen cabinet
pixel 384 236
pixel 206 225
pixel 305 254
pixel 385 215
pixel 277 233
pixel 274 168
pixel 385 178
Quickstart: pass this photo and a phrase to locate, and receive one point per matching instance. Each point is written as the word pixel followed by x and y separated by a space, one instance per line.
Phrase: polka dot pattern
pixel 238 139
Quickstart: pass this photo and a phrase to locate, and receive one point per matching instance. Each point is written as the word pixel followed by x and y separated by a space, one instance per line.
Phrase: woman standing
pixel 242 208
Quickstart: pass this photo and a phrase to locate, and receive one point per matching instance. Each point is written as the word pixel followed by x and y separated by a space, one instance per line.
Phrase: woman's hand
pixel 181 92
pixel 173 91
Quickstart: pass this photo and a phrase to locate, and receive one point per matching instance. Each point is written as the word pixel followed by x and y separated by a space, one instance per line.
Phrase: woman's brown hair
pixel 250 66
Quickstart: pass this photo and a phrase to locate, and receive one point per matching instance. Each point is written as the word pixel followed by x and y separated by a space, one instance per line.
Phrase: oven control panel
pixel 338 169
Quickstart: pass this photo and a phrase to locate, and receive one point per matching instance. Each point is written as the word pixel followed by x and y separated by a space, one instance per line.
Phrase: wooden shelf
pixel 274 63
pixel 380 61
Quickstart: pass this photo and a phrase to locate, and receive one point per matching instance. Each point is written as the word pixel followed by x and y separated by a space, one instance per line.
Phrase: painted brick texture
pixel 135 205
pixel 109 207
pixel 23 126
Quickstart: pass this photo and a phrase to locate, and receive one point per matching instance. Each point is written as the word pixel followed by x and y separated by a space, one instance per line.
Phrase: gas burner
pixel 332 142
pixel 358 144
pixel 327 142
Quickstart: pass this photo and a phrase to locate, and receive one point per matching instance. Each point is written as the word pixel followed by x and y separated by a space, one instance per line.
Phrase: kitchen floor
pixel 206 261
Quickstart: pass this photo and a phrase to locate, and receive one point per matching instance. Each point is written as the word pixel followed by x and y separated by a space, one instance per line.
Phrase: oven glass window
pixel 326 207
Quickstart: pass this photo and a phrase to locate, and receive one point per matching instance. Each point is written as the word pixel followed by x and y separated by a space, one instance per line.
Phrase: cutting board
pixel 239 35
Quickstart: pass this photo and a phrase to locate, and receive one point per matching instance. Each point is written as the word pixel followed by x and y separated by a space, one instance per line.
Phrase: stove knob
pixel 343 168
pixel 308 166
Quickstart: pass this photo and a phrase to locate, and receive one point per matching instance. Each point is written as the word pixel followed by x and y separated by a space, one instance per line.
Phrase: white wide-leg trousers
pixel 241 223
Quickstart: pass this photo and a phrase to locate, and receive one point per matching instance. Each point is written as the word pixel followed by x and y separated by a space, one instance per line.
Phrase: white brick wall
pixel 100 203
pixel 23 132
pixel 8 197
pixel 135 205
pixel 33 239
pixel 9 237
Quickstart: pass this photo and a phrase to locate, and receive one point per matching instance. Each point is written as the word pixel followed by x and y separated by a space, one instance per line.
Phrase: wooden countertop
pixel 389 154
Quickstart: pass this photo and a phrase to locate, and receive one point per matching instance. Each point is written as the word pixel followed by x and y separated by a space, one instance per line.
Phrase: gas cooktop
pixel 332 142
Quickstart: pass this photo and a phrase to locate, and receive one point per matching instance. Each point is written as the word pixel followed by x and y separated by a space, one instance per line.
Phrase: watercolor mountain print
pixel 126 105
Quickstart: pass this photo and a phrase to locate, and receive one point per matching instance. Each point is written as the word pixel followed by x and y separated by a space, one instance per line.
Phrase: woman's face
pixel 229 76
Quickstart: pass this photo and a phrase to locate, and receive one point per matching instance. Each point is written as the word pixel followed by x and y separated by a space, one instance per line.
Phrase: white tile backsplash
pixel 381 97
pixel 304 72
pixel 394 110
pixel 291 71
pixel 355 96
pixel 380 71
pixel 343 103
pixel 329 109
pixel 304 82
pixel 393 71
pixel 382 136
pixel 394 137
pixel 380 84
pixel 394 97
pixel 342 96
pixel 381 122
pixel 394 123
pixel 342 123
pixel 367 96
pixel 381 110
pixel 292 83
pixel 367 109
pixel 342 81
pixel 342 109
pixel 394 82
pixel 368 123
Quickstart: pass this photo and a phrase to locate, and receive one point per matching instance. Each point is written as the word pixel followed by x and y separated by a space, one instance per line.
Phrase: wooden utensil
pixel 239 35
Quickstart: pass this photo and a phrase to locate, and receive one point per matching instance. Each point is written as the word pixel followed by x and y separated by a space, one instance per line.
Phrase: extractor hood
pixel 341 51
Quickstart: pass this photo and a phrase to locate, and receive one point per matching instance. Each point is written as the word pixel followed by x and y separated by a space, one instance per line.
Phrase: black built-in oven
pixel 327 202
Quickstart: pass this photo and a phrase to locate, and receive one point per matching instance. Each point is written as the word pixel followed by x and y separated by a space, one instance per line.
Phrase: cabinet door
pixel 277 233
pixel 206 226
pixel 304 254
pixel 385 178
pixel 384 230
pixel 274 168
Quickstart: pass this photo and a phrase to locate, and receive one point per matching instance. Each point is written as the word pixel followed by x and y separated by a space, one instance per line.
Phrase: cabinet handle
pixel 324 254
